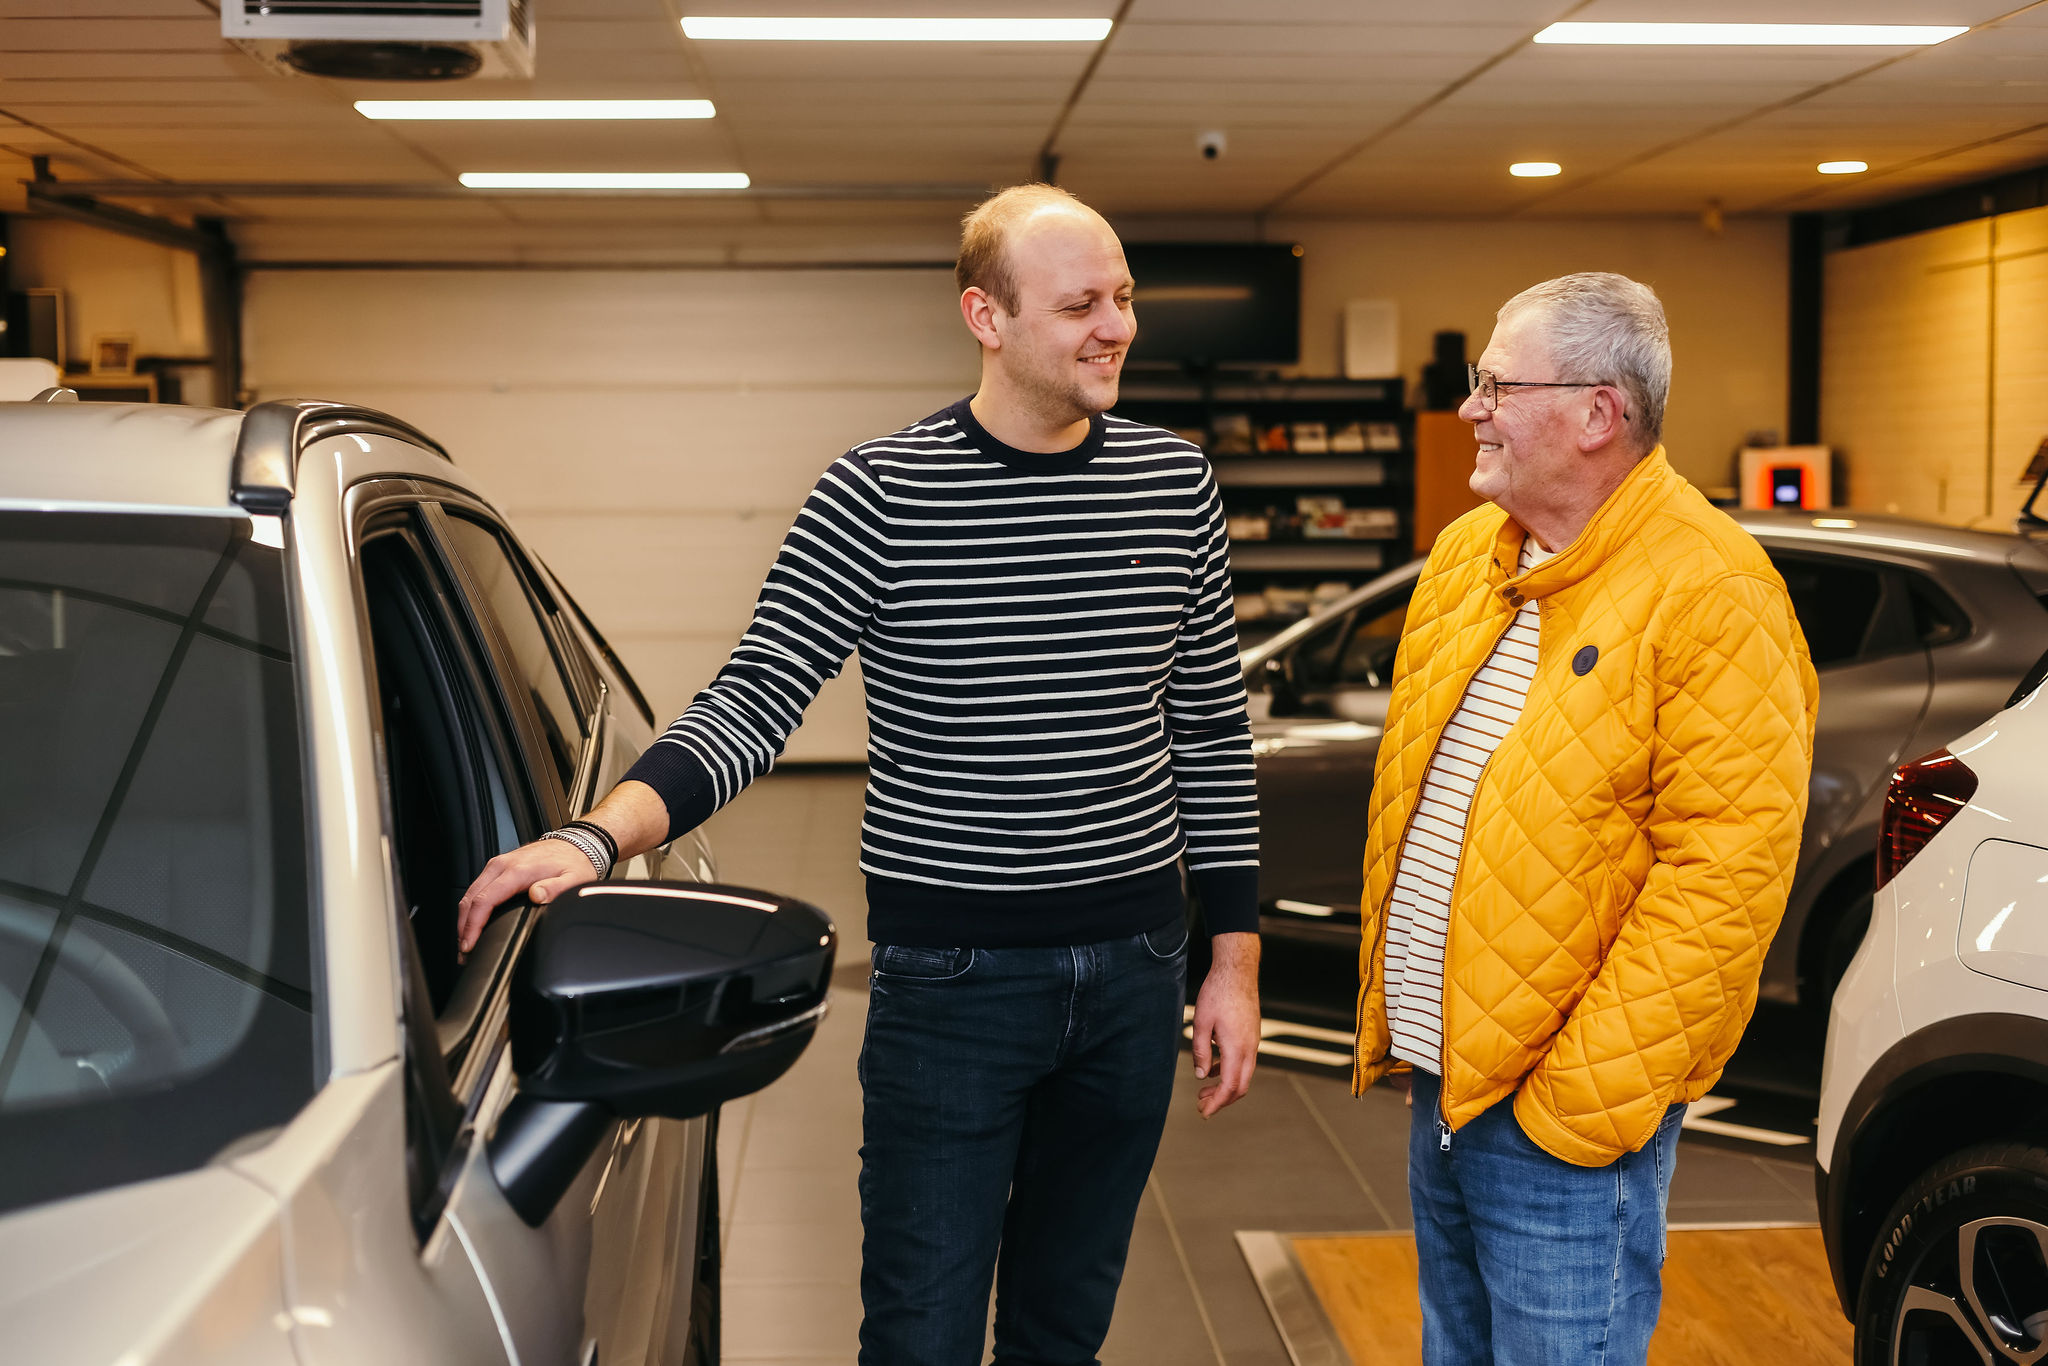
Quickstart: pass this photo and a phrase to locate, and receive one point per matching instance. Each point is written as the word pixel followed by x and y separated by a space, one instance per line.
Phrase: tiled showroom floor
pixel 1297 1155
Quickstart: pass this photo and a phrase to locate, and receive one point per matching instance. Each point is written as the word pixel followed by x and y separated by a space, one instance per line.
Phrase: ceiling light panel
pixel 746 28
pixel 509 110
pixel 1751 35
pixel 1842 167
pixel 605 180
pixel 1534 170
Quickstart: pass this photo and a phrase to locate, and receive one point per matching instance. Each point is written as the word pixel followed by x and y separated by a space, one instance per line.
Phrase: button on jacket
pixel 1632 842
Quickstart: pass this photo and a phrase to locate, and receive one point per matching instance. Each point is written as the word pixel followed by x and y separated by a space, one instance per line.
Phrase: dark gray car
pixel 1918 633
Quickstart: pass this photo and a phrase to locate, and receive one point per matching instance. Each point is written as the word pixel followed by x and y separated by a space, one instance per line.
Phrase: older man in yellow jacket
pixel 1583 827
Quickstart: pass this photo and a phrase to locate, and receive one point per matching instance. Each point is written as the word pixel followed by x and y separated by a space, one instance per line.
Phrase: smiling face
pixel 1529 454
pixel 1063 350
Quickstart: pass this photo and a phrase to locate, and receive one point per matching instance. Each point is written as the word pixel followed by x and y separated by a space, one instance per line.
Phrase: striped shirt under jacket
pixel 1419 906
pixel 1055 710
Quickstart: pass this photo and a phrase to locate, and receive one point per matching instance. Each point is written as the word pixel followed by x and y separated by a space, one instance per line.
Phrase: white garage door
pixel 651 433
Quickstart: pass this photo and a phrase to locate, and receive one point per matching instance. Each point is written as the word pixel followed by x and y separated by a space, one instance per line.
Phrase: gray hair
pixel 1603 328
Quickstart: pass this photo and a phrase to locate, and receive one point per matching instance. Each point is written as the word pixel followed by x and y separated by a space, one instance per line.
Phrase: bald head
pixel 989 233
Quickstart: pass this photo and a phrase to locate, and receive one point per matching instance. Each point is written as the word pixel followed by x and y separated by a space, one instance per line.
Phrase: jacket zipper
pixel 1443 1059
pixel 1379 938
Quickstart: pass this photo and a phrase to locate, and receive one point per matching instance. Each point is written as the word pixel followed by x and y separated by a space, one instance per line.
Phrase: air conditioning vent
pixel 398 40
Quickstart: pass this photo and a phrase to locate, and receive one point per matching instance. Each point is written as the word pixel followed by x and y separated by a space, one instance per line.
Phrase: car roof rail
pixel 277 433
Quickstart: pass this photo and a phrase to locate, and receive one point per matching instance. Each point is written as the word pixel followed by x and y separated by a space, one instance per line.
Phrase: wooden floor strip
pixel 1733 1296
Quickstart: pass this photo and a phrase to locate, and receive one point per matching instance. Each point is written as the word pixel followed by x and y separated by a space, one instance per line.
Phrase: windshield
pixel 156 996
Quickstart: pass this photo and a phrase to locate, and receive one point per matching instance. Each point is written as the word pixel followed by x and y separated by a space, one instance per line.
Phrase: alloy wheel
pixel 1979 1298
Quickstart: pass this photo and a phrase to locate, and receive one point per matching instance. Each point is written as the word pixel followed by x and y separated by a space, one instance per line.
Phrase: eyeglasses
pixel 1485 384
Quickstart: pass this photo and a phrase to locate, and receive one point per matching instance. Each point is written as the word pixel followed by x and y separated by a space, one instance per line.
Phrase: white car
pixel 273 686
pixel 1933 1142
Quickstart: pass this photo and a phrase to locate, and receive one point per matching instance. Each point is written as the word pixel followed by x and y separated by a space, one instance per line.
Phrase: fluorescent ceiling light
pixel 829 30
pixel 605 180
pixel 1842 167
pixel 535 109
pixel 1531 169
pixel 1753 35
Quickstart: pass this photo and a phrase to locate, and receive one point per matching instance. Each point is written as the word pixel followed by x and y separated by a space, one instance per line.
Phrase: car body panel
pixel 360 1286
pixel 163 458
pixel 305 1249
pixel 2004 929
pixel 186 1269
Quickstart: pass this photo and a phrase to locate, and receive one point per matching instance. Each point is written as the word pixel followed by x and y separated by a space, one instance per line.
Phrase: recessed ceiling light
pixel 1754 35
pixel 605 180
pixel 832 30
pixel 1842 167
pixel 535 109
pixel 1529 169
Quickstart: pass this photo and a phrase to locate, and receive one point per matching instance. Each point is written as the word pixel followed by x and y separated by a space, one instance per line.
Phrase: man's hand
pixel 542 870
pixel 1227 1021
pixel 634 816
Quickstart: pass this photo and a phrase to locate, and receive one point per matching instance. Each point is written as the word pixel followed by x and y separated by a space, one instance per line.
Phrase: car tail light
pixel 1923 796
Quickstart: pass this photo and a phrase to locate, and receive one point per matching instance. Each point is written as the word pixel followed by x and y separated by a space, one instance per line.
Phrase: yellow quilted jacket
pixel 1631 844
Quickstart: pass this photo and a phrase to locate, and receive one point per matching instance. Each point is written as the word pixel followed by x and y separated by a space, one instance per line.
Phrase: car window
pixel 1375 636
pixel 1835 601
pixel 156 987
pixel 496 572
pixel 1314 657
pixel 1936 618
pixel 454 789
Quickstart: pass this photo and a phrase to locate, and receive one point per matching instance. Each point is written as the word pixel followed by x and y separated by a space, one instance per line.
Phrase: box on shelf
pixel 1273 440
pixel 1242 526
pixel 1310 438
pixel 1382 436
pixel 1232 434
pixel 1348 439
pixel 1309 504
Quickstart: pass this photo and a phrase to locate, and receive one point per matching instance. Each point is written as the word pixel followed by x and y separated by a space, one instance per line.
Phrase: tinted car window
pixel 1936 618
pixel 493 567
pixel 156 994
pixel 1835 602
pixel 1369 653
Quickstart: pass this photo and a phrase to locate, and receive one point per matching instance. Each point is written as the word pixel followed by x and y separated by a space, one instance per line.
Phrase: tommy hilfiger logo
pixel 1585 659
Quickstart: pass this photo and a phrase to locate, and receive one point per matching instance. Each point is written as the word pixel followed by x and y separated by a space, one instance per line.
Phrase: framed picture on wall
pixel 113 353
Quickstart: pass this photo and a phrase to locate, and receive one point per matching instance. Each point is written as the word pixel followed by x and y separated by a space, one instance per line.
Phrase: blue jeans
pixel 1013 1101
pixel 1525 1259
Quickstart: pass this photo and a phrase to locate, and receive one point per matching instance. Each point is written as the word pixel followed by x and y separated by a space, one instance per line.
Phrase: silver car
pixel 272 689
pixel 1918 633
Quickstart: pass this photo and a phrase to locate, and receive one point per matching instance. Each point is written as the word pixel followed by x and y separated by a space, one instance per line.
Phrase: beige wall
pixel 111 284
pixel 651 433
pixel 1934 369
pixel 1725 296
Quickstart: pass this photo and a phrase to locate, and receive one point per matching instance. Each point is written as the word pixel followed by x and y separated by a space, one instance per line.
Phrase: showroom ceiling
pixel 1351 108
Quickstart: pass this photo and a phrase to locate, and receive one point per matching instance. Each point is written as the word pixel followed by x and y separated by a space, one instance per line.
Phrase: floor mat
pixel 1733 1296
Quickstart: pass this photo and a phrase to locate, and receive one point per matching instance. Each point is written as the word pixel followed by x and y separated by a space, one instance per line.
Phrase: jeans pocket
pixel 916 963
pixel 1168 942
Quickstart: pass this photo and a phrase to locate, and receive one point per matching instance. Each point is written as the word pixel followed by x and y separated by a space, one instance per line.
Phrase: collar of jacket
pixel 1641 492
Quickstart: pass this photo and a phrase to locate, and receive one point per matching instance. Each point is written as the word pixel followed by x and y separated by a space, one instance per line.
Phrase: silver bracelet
pixel 585 845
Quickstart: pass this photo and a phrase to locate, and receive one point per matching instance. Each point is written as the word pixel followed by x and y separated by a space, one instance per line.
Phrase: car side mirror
pixel 1283 698
pixel 650 999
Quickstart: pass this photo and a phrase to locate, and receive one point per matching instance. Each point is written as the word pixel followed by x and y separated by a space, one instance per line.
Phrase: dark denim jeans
pixel 1014 1100
pixel 1525 1259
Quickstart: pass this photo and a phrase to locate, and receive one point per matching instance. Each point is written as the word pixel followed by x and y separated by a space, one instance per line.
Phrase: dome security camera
pixel 1212 145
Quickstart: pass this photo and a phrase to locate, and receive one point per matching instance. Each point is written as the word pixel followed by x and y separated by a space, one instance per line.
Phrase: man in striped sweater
pixel 1040 595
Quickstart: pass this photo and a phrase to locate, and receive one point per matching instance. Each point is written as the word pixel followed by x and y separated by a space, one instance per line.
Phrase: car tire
pixel 1961 1265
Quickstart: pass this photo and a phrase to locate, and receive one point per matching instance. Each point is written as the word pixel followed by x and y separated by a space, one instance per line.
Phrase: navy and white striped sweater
pixel 1055 711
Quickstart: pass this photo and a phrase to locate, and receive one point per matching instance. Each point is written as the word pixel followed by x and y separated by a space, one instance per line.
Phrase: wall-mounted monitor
pixel 1216 303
